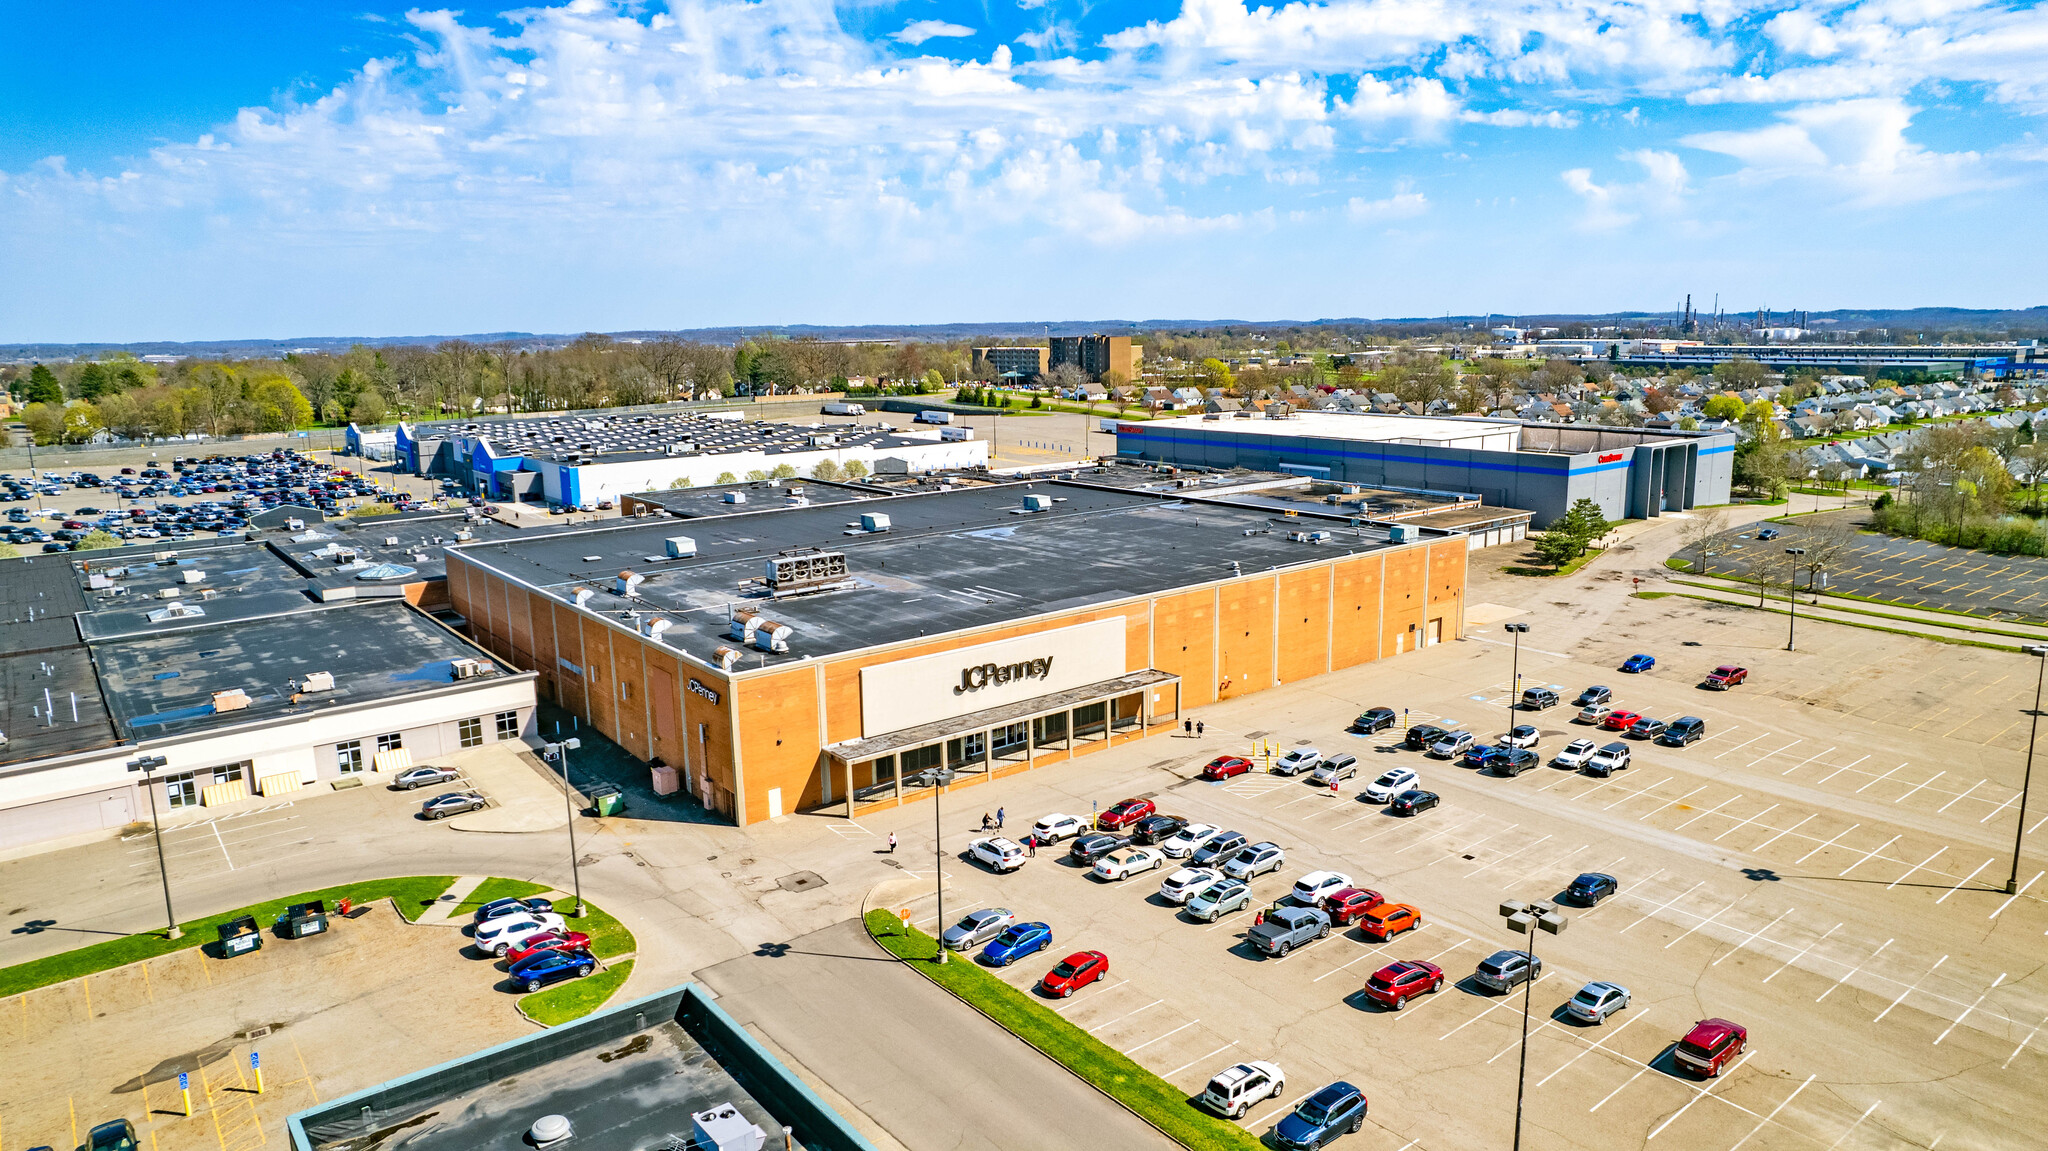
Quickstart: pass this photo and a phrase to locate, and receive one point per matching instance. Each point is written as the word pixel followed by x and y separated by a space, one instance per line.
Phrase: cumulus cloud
pixel 1517 118
pixel 1661 191
pixel 1858 147
pixel 918 31
pixel 1405 203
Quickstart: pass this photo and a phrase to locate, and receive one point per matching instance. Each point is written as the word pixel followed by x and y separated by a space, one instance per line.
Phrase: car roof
pixel 1708 1032
pixel 1594 877
pixel 1599 987
pixel 1617 745
pixel 1335 1092
pixel 1729 667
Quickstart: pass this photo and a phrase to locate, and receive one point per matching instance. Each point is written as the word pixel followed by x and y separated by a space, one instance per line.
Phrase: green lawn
pixel 608 937
pixel 1569 567
pixel 1153 1098
pixel 575 998
pixel 495 888
pixel 412 892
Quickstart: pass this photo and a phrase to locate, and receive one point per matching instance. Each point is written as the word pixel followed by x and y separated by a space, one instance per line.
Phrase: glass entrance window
pixel 1049 729
pixel 1011 737
pixel 348 757
pixel 918 759
pixel 1091 720
pixel 391 742
pixel 182 790
pixel 966 749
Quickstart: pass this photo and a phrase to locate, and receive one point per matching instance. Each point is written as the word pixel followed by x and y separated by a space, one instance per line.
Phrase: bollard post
pixel 256 1065
pixel 185 1089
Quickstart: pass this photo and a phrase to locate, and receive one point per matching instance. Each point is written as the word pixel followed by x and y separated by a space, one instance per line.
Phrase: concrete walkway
pixel 522 798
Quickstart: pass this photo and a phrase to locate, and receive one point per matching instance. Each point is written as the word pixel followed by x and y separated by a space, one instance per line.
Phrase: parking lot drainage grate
pixel 800 881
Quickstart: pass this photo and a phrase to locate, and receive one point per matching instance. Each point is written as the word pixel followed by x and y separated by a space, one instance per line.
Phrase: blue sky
pixel 219 170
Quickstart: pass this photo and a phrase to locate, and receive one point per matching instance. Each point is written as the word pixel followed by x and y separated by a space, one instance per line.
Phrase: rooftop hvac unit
pixel 470 668
pixel 581 596
pixel 874 522
pixel 191 576
pixel 169 593
pixel 628 584
pixel 654 626
pixel 317 681
pixel 464 534
pixel 727 657
pixel 1037 503
pixel 806 572
pixel 296 525
pixel 1309 537
pixel 742 626
pixel 165 557
pixel 735 497
pixel 771 635
pixel 680 547
pixel 1400 533
pixel 390 541
pixel 723 1128
pixel 233 699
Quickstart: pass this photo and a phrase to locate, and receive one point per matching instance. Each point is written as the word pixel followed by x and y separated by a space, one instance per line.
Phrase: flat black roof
pixel 39 600
pixel 950 561
pixel 225 580
pixel 760 495
pixel 38 713
pixel 628 438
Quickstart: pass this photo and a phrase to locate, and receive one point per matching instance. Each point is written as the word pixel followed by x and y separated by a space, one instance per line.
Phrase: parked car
pixel 1396 983
pixel 452 803
pixel 1345 905
pixel 1768 534
pixel 1609 759
pixel 1075 972
pixel 542 968
pixel 1422 735
pixel 1234 1090
pixel 1255 860
pixel 1388 920
pixel 1619 720
pixel 1596 1001
pixel 1093 846
pixel 1128 862
pixel 1726 676
pixel 1575 754
pixel 499 936
pixel 1126 813
pixel 1226 766
pixel 113 1135
pixel 1522 735
pixel 1154 828
pixel 1220 847
pixel 997 853
pixel 1015 942
pixel 1297 761
pixel 1647 727
pixel 1451 744
pixel 977 927
pixel 1639 663
pixel 1511 761
pixel 1540 698
pixel 1311 889
pixel 1374 719
pixel 1286 928
pixel 550 941
pixel 1189 840
pixel 1414 801
pixel 1318 1120
pixel 1594 694
pixel 1338 767
pixel 1503 970
pixel 1182 885
pixel 1686 729
pixel 1592 887
pixel 1391 783
pixel 1056 827
pixel 1475 755
pixel 1710 1047
pixel 512 905
pixel 1220 898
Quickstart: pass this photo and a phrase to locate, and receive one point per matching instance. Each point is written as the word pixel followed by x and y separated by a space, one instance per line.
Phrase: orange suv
pixel 1387 920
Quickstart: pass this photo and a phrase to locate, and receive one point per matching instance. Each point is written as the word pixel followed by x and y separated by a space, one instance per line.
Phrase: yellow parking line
pixel 1962 725
pixel 302 1066
pixel 2001 731
pixel 1931 719
pixel 73 1104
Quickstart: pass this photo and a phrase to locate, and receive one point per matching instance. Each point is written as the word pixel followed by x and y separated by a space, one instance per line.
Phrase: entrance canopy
pixel 891 743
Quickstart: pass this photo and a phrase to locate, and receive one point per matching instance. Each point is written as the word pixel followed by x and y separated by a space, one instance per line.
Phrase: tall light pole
pixel 146 765
pixel 1792 593
pixel 940 778
pixel 562 750
pixel 1515 680
pixel 1523 919
pixel 2019 835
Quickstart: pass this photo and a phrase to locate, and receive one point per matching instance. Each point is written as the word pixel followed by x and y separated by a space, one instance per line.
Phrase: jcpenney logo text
pixel 976 678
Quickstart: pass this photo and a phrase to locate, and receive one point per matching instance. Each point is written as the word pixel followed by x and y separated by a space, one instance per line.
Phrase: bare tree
pixel 1701 535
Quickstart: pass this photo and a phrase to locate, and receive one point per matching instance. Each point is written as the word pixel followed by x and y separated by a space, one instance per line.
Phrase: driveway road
pixel 932 1071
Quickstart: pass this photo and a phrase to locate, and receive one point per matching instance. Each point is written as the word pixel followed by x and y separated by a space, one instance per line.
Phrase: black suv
pixel 1374 719
pixel 1422 735
pixel 1154 828
pixel 1093 846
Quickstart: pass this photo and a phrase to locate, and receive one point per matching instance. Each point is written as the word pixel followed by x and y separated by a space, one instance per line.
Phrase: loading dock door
pixel 1436 631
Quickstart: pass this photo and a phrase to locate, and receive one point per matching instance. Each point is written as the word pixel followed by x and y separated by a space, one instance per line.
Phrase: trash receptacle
pixel 303 919
pixel 239 936
pixel 607 799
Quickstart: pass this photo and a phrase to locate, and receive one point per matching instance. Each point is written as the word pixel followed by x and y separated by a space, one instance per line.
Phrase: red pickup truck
pixel 1726 676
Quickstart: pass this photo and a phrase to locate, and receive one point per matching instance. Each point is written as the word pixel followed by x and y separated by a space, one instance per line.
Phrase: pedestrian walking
pixel 1187 727
pixel 892 843
pixel 1201 729
pixel 986 822
pixel 999 819
pixel 1031 845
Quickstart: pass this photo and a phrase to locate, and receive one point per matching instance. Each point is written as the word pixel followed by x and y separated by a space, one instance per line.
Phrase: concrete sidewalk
pixel 523 799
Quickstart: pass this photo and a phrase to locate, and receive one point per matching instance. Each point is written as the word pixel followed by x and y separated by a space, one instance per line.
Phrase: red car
pixel 1396 983
pixel 549 941
pixel 1727 676
pixel 1620 720
pixel 1225 766
pixel 1710 1046
pixel 1351 902
pixel 1126 813
pixel 1075 972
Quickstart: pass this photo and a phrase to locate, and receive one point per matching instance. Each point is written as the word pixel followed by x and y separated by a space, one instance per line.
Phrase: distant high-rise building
pixel 1097 355
pixel 1026 363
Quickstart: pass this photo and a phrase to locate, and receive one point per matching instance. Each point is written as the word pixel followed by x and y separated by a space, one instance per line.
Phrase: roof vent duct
pixel 549 1130
pixel 727 657
pixel 654 626
pixel 770 635
pixel 744 621
pixel 628 584
pixel 581 596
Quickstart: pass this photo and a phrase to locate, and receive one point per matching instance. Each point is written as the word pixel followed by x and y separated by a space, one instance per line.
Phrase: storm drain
pixel 800 881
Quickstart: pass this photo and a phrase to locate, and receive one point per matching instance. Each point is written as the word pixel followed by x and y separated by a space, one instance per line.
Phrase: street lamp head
pixel 1795 551
pixel 2036 649
pixel 1517 628
pixel 147 763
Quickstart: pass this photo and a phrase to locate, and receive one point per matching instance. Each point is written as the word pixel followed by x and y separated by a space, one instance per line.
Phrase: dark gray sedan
pixel 452 803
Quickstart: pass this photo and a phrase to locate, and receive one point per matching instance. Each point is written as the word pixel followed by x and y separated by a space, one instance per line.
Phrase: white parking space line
pixel 1491 1008
pixel 1854 1126
pixel 1668 903
pixel 1709 811
pixel 1697 926
pixel 1645 791
pixel 1618 1090
pixel 1599 1045
pixel 1100 992
pixel 1157 1038
pixel 1958 799
pixel 1505 858
pixel 1759 759
pixel 1832 774
pixel 1802 953
pixel 2010 800
pixel 1972 1007
pixel 1853 970
pixel 1965 879
pixel 1909 990
pixel 1795 827
pixel 1369 953
pixel 1774 1112
pixel 1868 854
pixel 2023 1043
pixel 1124 1016
pixel 1742 823
pixel 1198 1059
pixel 1914 868
pixel 1699 1094
pixel 1752 937
pixel 1289 1106
pixel 2022 891
pixel 1743 744
pixel 1916 787
pixel 1516 1045
pixel 1828 844
pixel 1876 779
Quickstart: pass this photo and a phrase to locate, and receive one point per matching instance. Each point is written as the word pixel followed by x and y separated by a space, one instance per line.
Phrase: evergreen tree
pixel 43 387
pixel 93 382
pixel 1585 522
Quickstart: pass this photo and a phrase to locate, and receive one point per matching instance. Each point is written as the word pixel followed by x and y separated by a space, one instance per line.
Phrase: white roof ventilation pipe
pixel 744 621
pixel 727 657
pixel 771 635
pixel 627 586
pixel 654 626
pixel 581 596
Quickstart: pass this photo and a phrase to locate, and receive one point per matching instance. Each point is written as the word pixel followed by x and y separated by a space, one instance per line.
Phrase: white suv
pixel 1297 761
pixel 998 853
pixel 1054 828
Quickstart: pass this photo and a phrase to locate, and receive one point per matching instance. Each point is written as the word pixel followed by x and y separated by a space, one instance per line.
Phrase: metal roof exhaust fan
pixel 549 1130
pixel 723 1128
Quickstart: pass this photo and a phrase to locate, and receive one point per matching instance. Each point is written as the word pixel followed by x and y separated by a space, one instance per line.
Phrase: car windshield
pixel 1007 938
pixel 1588 997
pixel 1064 969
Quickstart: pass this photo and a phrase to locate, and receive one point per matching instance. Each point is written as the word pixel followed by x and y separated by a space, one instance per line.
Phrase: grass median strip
pixel 494 889
pixel 1117 1075
pixel 412 893
pixel 576 998
pixel 608 937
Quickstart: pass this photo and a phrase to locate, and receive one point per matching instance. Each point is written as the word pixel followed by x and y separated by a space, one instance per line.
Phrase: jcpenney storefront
pixel 960 717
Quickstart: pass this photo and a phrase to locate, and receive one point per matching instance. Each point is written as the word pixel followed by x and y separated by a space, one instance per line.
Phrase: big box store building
pixel 829 656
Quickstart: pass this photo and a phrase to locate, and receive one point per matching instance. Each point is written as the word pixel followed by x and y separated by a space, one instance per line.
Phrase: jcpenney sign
pixel 976 678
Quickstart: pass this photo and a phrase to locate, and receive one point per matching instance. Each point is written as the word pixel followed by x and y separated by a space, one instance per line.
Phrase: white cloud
pixel 1661 191
pixel 1405 203
pixel 918 31
pixel 1517 118
pixel 1853 147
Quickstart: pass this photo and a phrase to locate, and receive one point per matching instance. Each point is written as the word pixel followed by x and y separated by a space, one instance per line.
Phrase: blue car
pixel 1475 756
pixel 1591 888
pixel 1338 1109
pixel 512 906
pixel 545 967
pixel 1639 663
pixel 1016 942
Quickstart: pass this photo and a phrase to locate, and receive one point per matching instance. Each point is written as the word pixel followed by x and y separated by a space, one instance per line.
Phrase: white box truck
pixel 933 418
pixel 956 433
pixel 845 410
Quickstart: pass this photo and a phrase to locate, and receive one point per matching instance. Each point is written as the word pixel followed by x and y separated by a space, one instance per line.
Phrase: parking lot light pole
pixel 1523 919
pixel 2019 835
pixel 1792 593
pixel 1515 678
pixel 146 765
pixel 562 751
pixel 940 779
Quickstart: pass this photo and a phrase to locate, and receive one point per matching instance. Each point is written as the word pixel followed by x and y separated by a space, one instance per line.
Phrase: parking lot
pixel 1907 571
pixel 1824 867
